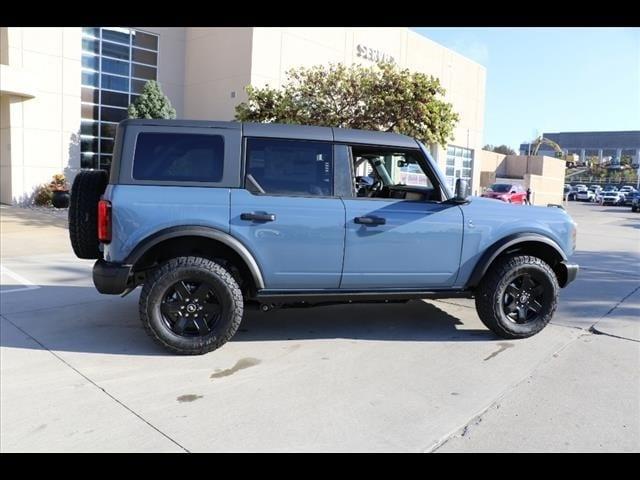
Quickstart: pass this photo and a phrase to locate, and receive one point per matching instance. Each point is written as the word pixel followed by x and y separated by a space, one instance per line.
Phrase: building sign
pixel 373 54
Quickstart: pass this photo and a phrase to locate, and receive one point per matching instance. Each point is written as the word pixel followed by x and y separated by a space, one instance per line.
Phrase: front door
pixel 400 235
pixel 418 246
pixel 286 215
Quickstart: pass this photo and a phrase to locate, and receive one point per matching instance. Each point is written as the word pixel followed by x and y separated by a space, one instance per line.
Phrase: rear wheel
pixel 517 297
pixel 191 305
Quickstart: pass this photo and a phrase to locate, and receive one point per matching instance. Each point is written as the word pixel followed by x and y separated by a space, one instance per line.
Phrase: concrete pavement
pixel 77 372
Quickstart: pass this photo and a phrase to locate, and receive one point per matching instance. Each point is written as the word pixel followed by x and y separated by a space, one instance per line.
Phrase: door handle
pixel 370 220
pixel 258 217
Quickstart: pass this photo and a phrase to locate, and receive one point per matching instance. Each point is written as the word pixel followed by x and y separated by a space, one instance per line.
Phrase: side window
pixel 178 157
pixel 290 167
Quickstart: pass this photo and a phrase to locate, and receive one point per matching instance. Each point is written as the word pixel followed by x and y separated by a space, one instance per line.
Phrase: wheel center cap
pixel 191 308
pixel 524 297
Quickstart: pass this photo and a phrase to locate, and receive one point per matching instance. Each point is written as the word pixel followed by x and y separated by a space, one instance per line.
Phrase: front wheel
pixel 517 297
pixel 191 305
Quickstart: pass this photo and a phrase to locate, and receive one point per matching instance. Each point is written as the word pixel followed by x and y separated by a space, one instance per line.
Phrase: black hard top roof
pixel 278 130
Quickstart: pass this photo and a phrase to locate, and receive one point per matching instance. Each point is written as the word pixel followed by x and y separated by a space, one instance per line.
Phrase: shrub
pixel 43 195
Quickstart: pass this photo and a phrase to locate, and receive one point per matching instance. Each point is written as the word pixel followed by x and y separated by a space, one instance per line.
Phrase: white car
pixel 626 190
pixel 611 198
pixel 586 196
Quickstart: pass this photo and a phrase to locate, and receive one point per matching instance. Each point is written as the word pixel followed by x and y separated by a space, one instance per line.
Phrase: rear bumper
pixel 111 278
pixel 569 272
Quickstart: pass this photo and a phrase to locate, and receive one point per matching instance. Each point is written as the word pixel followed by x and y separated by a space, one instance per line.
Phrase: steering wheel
pixel 375 188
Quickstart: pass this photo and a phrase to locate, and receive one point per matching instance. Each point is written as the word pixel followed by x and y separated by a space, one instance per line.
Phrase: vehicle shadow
pixel 78 319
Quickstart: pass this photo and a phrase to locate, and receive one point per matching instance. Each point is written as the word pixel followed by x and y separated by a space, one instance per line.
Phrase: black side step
pixel 339 296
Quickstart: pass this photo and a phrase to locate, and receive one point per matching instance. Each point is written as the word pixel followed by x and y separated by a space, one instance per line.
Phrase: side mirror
pixel 461 191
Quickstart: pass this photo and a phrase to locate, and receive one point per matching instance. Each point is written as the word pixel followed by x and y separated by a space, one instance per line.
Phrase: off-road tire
pixel 490 293
pixel 87 188
pixel 226 290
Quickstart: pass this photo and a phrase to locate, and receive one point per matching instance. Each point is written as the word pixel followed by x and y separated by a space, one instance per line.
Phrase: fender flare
pixel 499 247
pixel 199 231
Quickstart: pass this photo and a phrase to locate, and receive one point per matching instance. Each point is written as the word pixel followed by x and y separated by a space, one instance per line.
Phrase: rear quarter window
pixel 178 157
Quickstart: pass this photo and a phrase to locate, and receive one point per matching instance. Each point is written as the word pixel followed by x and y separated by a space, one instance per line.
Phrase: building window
pixel 459 165
pixel 116 63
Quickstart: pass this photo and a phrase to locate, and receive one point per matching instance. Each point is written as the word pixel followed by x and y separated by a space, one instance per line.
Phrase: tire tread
pixel 212 267
pixel 491 283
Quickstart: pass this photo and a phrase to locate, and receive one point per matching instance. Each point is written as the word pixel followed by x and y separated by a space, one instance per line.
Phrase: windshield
pixel 500 187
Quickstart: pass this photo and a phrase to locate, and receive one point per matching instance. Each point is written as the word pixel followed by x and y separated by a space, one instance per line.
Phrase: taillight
pixel 104 221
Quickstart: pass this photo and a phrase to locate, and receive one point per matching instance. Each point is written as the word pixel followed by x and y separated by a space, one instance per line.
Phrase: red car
pixel 507 192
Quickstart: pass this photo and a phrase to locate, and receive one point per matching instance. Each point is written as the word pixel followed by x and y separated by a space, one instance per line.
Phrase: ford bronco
pixel 212 217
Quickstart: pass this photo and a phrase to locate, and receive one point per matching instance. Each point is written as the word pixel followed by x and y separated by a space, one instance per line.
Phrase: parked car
pixel 586 196
pixel 507 192
pixel 631 197
pixel 611 197
pixel 627 191
pixel 580 187
pixel 211 218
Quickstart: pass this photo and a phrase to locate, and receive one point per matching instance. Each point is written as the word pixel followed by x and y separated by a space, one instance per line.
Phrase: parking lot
pixel 78 373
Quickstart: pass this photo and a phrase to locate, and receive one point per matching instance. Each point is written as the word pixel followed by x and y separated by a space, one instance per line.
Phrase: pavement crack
pixel 476 419
pixel 620 302
pixel 122 404
pixel 595 331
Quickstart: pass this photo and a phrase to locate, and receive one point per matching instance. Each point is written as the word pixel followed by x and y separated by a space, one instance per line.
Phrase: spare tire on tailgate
pixel 87 188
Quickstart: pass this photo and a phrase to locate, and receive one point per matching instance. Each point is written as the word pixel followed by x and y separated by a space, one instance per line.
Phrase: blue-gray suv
pixel 213 217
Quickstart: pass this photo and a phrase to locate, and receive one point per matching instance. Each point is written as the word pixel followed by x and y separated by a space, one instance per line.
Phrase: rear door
pixel 287 214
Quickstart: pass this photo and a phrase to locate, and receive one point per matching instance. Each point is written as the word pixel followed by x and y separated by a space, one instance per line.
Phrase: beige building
pixel 63 90
pixel 542 174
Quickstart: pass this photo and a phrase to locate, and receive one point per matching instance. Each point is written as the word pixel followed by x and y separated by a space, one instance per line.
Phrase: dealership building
pixel 63 90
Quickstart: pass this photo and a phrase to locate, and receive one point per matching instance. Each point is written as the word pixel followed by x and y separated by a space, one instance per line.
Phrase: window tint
pixel 178 157
pixel 291 167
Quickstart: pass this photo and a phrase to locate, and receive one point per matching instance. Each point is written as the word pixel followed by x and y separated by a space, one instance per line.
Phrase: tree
pixel 370 98
pixel 152 103
pixel 503 149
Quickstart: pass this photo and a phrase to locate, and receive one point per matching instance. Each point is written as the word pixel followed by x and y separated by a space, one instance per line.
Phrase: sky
pixel 552 79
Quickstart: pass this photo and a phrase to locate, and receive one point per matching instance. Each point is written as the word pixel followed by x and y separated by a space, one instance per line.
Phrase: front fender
pixel 503 245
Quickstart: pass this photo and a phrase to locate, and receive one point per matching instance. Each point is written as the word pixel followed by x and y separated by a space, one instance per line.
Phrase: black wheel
pixel 87 188
pixel 517 296
pixel 191 305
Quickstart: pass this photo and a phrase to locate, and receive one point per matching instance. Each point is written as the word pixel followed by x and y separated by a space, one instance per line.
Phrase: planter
pixel 60 199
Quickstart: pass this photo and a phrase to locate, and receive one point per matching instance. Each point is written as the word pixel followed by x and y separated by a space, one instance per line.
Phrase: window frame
pixel 422 160
pixel 245 171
